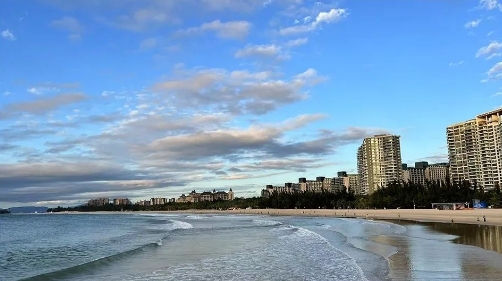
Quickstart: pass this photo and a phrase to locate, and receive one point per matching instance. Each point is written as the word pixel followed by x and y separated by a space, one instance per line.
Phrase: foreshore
pixel 493 216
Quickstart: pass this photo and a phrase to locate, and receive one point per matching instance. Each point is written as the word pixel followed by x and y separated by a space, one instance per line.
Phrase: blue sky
pixel 156 98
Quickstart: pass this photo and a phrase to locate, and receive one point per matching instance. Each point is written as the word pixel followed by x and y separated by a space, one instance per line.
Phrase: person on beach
pixel 484 218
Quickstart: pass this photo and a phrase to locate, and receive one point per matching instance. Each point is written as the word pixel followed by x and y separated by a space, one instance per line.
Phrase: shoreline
pixel 493 216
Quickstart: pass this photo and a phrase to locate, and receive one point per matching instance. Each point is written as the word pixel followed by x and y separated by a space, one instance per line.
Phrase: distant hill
pixel 27 209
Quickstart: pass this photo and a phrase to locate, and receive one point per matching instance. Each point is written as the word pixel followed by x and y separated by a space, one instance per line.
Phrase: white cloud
pixel 489 50
pixel 472 24
pixel 490 4
pixel 495 72
pixel 226 30
pixel 41 90
pixel 498 94
pixel 7 35
pixel 456 63
pixel 258 50
pixel 333 15
pixel 493 56
pixel 296 42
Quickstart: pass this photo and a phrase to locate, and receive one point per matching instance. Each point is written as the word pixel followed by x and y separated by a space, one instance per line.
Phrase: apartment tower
pixel 378 162
pixel 475 149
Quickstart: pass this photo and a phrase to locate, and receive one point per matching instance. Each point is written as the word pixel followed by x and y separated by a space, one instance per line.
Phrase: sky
pixel 156 98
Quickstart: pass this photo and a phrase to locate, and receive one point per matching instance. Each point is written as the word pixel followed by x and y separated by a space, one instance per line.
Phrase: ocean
pixel 130 246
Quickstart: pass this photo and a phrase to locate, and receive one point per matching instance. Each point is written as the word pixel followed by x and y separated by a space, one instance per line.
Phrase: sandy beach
pixel 493 216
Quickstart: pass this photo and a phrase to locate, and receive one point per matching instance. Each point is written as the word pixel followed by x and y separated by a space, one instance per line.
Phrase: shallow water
pixel 236 247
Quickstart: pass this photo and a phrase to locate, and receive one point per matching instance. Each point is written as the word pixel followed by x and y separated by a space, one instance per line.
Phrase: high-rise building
pixel 378 162
pixel 475 149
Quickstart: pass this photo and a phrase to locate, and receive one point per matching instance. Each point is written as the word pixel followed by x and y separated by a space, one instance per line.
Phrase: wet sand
pixel 493 216
pixel 423 255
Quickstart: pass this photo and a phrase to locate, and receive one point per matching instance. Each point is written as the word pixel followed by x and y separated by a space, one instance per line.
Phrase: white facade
pixel 475 149
pixel 378 162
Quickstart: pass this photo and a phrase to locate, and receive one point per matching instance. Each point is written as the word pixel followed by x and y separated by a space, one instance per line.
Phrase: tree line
pixel 405 195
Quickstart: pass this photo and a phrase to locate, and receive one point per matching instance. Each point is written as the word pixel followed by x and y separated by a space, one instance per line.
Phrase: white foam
pixel 158 215
pixel 176 224
pixel 195 217
pixel 266 222
pixel 311 237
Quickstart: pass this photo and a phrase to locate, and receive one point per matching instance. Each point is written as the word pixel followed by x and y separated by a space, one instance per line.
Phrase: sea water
pixel 129 246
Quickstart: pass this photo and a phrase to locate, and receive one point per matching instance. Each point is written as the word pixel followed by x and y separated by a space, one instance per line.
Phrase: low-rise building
pixel 287 188
pixel 121 201
pixel 96 202
pixel 144 203
pixel 194 197
pixel 158 201
pixel 414 175
pixel 438 172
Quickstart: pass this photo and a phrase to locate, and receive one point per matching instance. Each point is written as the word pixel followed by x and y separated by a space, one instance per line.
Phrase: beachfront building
pixel 121 201
pixel 439 172
pixel 194 197
pixel 158 201
pixel 287 188
pixel 96 202
pixel 424 172
pixel 378 162
pixel 417 174
pixel 475 149
pixel 320 184
pixel 352 183
pixel 144 203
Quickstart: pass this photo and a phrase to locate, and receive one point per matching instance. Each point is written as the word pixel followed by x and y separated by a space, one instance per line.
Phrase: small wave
pixel 169 225
pixel 159 242
pixel 195 217
pixel 158 215
pixel 309 237
pixel 266 222
pixel 91 265
pixel 176 224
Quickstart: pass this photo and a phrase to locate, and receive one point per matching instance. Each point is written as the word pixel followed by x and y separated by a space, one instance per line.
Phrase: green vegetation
pixel 395 195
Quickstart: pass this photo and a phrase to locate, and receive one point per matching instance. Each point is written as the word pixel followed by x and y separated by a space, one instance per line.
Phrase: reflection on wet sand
pixel 488 237
pixel 426 253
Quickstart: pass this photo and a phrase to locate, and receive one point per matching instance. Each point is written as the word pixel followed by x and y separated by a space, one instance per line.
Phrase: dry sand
pixel 493 216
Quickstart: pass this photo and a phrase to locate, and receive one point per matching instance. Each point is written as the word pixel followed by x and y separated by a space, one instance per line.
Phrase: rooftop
pixel 493 112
